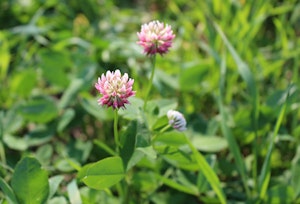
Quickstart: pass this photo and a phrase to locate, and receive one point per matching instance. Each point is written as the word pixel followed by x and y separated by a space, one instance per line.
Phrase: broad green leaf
pixel 40 110
pixel 104 173
pixel 73 192
pixel 54 183
pixel 15 142
pixel 209 143
pixel 23 82
pixel 83 171
pixel 8 192
pixel 173 138
pixel 30 182
pixel 4 55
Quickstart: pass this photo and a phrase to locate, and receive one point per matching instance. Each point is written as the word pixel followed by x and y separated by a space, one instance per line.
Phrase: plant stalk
pixel 116 134
pixel 153 59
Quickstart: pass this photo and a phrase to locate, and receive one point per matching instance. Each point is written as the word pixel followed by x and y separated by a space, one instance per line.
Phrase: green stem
pixel 160 132
pixel 265 173
pixel 116 134
pixel 105 147
pixel 254 167
pixel 153 59
pixel 165 128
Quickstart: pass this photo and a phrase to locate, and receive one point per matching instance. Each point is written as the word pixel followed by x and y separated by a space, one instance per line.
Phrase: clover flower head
pixel 155 37
pixel 115 88
pixel 176 120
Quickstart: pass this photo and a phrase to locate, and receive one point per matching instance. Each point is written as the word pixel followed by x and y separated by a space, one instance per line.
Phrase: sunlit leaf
pixel 15 142
pixel 4 55
pixel 209 143
pixel 54 183
pixel 104 173
pixel 73 192
pixel 30 182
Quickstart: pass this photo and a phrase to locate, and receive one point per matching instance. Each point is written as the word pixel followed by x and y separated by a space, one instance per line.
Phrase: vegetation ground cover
pixel 232 72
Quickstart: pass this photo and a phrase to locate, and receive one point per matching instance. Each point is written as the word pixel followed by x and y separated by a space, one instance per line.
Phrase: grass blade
pixel 265 174
pixel 248 77
pixel 208 172
pixel 8 192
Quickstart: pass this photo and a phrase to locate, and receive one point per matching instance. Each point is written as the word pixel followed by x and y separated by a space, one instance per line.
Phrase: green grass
pixel 233 71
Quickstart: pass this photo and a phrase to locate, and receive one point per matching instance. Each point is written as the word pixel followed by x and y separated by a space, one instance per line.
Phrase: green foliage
pixel 30 182
pixel 103 174
pixel 233 71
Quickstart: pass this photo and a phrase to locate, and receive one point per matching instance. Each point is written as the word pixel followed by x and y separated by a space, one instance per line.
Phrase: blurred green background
pixel 52 52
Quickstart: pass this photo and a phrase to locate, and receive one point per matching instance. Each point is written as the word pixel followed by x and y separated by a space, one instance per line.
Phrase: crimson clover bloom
pixel 155 37
pixel 115 88
pixel 176 120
